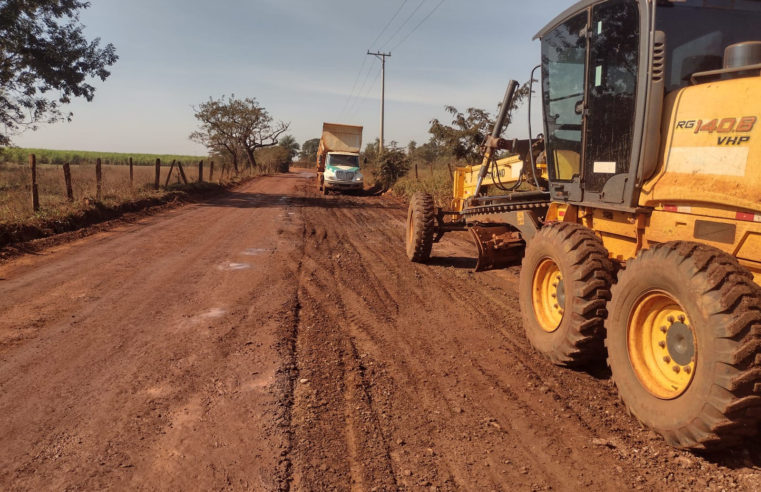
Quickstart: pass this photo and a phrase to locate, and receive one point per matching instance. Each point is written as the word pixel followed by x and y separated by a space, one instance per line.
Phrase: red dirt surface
pixel 270 338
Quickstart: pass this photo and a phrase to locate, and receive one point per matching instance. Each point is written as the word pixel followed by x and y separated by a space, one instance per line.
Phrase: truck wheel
pixel 420 227
pixel 683 344
pixel 564 285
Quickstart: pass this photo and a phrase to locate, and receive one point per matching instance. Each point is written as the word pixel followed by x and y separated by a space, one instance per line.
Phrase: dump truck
pixel 338 158
pixel 642 246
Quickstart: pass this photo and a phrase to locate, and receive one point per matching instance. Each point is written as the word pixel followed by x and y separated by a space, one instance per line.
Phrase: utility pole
pixel 382 57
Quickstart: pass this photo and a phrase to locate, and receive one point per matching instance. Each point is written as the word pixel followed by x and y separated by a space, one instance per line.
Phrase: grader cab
pixel 643 244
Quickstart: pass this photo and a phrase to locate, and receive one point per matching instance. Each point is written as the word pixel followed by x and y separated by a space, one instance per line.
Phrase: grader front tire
pixel 684 335
pixel 564 285
pixel 420 227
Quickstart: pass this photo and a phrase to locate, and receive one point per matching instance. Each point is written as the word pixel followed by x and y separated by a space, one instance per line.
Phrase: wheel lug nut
pixel 681 318
pixel 662 344
pixel 667 359
pixel 677 369
pixel 557 306
pixel 664 329
pixel 671 319
pixel 687 369
pixel 554 296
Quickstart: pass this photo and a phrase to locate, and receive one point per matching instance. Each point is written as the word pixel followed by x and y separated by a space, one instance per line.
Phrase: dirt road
pixel 273 339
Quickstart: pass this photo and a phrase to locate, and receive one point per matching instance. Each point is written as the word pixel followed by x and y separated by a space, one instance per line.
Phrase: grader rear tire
pixel 684 344
pixel 564 285
pixel 420 227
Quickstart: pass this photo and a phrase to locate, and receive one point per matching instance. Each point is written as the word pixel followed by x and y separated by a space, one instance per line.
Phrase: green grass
pixel 47 156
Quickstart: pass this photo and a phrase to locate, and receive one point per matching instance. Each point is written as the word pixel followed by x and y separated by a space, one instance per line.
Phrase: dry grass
pixel 16 194
pixel 438 184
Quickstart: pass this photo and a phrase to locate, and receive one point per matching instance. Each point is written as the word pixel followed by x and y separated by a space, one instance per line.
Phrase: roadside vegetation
pixel 47 156
pixel 19 222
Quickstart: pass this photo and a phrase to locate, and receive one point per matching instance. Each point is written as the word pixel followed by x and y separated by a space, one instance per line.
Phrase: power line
pixel 354 86
pixel 409 18
pixel 404 2
pixel 366 95
pixel 418 25
pixel 364 59
pixel 364 84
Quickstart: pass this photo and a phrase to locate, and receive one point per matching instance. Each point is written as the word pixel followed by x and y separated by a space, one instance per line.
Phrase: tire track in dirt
pixel 158 353
pixel 470 404
pixel 273 339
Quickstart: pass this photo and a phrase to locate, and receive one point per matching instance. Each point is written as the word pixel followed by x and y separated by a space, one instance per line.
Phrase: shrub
pixel 275 159
pixel 392 165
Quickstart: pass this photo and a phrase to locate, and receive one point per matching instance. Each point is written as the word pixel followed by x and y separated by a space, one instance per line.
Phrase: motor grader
pixel 637 218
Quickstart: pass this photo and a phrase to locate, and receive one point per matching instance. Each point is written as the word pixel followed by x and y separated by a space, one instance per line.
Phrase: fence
pixel 69 185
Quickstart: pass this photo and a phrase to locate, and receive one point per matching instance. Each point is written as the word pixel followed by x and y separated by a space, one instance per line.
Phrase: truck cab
pixel 342 171
pixel 338 158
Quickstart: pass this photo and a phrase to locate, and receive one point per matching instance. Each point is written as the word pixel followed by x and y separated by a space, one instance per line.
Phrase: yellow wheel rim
pixel 548 295
pixel 662 345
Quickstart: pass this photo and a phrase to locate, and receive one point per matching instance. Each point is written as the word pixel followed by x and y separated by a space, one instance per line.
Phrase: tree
pixel 467 133
pixel 236 126
pixel 309 149
pixel 289 143
pixel 393 163
pixel 256 128
pixel 218 132
pixel 45 61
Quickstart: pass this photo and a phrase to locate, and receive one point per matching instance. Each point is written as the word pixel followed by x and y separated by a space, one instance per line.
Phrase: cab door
pixel 564 54
pixel 611 100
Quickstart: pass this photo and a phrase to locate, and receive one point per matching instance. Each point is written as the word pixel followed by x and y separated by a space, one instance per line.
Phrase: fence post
pixel 451 174
pixel 131 174
pixel 169 175
pixel 98 180
pixel 211 171
pixel 200 172
pixel 416 176
pixel 158 173
pixel 35 191
pixel 67 179
pixel 182 172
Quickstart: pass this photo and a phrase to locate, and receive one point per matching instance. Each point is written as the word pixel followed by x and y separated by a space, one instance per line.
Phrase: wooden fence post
pixel 211 171
pixel 416 175
pixel 169 175
pixel 131 174
pixel 182 172
pixel 200 172
pixel 67 179
pixel 451 174
pixel 158 174
pixel 98 180
pixel 35 191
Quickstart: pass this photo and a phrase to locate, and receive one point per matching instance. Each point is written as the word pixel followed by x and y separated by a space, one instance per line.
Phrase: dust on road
pixel 274 339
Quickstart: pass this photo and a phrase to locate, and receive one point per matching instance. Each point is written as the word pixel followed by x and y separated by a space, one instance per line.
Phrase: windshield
pixel 343 160
pixel 698 31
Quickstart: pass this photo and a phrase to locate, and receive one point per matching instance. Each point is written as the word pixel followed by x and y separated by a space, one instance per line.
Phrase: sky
pixel 304 61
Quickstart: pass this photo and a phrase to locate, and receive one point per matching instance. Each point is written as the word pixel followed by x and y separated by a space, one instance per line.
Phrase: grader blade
pixel 498 246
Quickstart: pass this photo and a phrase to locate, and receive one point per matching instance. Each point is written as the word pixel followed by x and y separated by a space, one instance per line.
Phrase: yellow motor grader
pixel 643 243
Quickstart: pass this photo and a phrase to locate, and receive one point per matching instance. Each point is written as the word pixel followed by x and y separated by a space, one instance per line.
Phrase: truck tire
pixel 564 285
pixel 684 336
pixel 420 227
